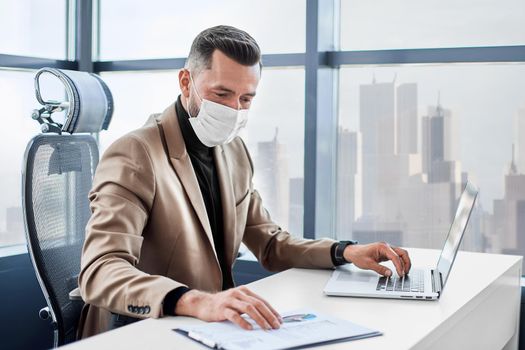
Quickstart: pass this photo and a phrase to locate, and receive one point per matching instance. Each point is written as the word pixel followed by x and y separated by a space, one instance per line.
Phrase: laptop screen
pixel 448 254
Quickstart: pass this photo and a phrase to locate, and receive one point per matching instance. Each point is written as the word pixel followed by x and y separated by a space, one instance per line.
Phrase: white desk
pixel 479 309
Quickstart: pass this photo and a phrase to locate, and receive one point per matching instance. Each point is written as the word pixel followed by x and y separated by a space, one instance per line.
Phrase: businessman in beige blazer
pixel 172 201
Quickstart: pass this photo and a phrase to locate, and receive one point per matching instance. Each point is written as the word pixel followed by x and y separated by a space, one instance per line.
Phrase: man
pixel 172 201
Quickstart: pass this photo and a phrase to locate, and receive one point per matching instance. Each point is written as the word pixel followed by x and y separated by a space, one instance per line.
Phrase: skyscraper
pixel 406 119
pixel 519 130
pixel 15 231
pixel 376 118
pixel 439 146
pixel 407 196
pixel 272 177
pixel 296 206
pixel 508 222
pixel 348 182
pixel 377 127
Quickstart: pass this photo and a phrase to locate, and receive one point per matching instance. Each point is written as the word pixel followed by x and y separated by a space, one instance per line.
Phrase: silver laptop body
pixel 420 284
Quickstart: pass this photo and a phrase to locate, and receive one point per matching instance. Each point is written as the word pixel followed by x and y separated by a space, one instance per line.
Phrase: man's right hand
pixel 229 305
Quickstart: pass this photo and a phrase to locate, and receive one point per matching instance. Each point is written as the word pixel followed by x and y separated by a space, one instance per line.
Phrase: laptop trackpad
pixel 357 276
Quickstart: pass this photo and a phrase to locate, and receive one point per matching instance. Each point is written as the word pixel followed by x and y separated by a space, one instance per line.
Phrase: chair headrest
pixel 89 103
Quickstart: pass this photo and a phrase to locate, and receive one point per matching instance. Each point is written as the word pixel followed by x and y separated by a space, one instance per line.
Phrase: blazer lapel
pixel 228 203
pixel 181 162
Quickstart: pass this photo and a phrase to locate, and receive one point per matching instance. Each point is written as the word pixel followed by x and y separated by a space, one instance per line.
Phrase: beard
pixel 193 106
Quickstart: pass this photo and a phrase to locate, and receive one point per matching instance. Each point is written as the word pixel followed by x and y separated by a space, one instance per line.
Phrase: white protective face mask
pixel 217 124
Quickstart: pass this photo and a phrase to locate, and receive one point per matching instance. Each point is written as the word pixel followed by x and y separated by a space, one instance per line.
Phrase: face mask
pixel 217 124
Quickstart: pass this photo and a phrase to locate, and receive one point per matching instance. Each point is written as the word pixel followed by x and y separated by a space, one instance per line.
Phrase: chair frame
pixel 31 231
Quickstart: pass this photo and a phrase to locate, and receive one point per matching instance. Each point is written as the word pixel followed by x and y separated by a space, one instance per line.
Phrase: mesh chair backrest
pixel 56 182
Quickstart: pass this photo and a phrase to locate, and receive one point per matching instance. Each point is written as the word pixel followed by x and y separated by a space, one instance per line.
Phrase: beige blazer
pixel 149 232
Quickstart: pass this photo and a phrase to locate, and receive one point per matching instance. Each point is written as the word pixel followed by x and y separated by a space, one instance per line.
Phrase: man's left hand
pixel 368 256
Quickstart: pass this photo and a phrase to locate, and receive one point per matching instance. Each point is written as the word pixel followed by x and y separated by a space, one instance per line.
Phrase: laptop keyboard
pixel 414 283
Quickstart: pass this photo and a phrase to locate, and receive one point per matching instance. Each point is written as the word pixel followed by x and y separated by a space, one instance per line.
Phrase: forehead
pixel 229 73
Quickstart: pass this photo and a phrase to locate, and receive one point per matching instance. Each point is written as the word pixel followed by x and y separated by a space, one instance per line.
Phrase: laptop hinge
pixel 436 281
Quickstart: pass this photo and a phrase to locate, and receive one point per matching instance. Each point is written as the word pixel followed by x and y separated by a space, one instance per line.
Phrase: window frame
pixel 321 62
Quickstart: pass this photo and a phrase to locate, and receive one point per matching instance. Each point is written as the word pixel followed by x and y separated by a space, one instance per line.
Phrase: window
pixel 17 89
pixel 275 139
pixel 35 28
pixel 137 95
pixel 163 28
pixel 384 24
pixel 274 134
pixel 409 138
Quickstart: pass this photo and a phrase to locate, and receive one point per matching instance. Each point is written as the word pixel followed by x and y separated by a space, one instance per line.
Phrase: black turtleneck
pixel 203 163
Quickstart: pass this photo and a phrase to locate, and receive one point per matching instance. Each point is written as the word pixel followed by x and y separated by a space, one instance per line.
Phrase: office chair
pixel 58 169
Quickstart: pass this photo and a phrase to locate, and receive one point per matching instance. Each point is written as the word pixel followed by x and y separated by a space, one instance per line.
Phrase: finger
pixel 263 310
pixel 392 256
pixel 250 310
pixel 403 254
pixel 252 294
pixel 234 317
pixel 380 269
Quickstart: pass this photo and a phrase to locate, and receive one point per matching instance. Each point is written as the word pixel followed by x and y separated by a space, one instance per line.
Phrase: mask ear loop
pixel 195 89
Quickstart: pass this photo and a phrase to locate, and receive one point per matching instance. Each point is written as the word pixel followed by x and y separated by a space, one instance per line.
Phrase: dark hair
pixel 234 43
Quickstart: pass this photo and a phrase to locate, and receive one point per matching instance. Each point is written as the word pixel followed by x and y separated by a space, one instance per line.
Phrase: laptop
pixel 419 284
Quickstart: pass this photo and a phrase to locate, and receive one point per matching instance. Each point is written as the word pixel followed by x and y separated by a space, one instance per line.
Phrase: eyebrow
pixel 224 88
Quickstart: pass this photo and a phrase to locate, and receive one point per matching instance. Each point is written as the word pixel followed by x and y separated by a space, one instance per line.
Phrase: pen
pixel 298 317
pixel 201 339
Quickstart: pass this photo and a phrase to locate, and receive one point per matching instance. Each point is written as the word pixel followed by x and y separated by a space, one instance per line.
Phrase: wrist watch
pixel 339 250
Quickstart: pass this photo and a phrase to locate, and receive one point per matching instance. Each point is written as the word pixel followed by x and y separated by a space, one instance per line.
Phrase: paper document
pixel 300 328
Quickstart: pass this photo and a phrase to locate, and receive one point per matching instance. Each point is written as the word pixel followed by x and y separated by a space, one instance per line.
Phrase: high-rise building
pixel 377 128
pixel 509 211
pixel 271 175
pixel 15 231
pixel 408 195
pixel 439 146
pixel 348 182
pixel 377 118
pixel 519 139
pixel 295 226
pixel 406 119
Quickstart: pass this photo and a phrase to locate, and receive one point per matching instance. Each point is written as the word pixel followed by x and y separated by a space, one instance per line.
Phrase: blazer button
pixel 147 309
pixel 130 308
pixel 135 309
pixel 141 310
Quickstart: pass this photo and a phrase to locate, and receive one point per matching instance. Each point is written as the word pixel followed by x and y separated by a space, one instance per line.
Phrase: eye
pixel 220 94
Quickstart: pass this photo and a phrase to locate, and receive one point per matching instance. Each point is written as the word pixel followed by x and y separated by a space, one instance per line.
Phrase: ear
pixel 184 82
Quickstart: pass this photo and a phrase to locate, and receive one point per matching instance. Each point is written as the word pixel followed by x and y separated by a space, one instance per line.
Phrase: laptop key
pixel 381 284
pixel 399 284
pixel 390 285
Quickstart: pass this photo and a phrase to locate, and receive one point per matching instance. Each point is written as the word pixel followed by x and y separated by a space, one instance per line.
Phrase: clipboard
pixel 295 332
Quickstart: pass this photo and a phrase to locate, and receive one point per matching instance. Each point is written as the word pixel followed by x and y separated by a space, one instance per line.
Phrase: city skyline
pixel 290 137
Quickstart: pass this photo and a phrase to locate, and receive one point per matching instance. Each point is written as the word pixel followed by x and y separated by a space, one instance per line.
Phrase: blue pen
pixel 298 317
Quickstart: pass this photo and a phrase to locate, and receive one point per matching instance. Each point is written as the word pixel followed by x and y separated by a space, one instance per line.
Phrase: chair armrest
pixel 74 295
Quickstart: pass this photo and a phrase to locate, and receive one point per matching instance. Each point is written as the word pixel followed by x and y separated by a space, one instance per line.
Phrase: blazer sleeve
pixel 120 200
pixel 275 248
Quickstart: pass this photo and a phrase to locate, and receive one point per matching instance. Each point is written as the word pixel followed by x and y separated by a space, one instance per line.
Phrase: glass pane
pixel 165 28
pixel 383 24
pixel 36 28
pixel 134 103
pixel 17 88
pixel 275 138
pixel 274 135
pixel 409 138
